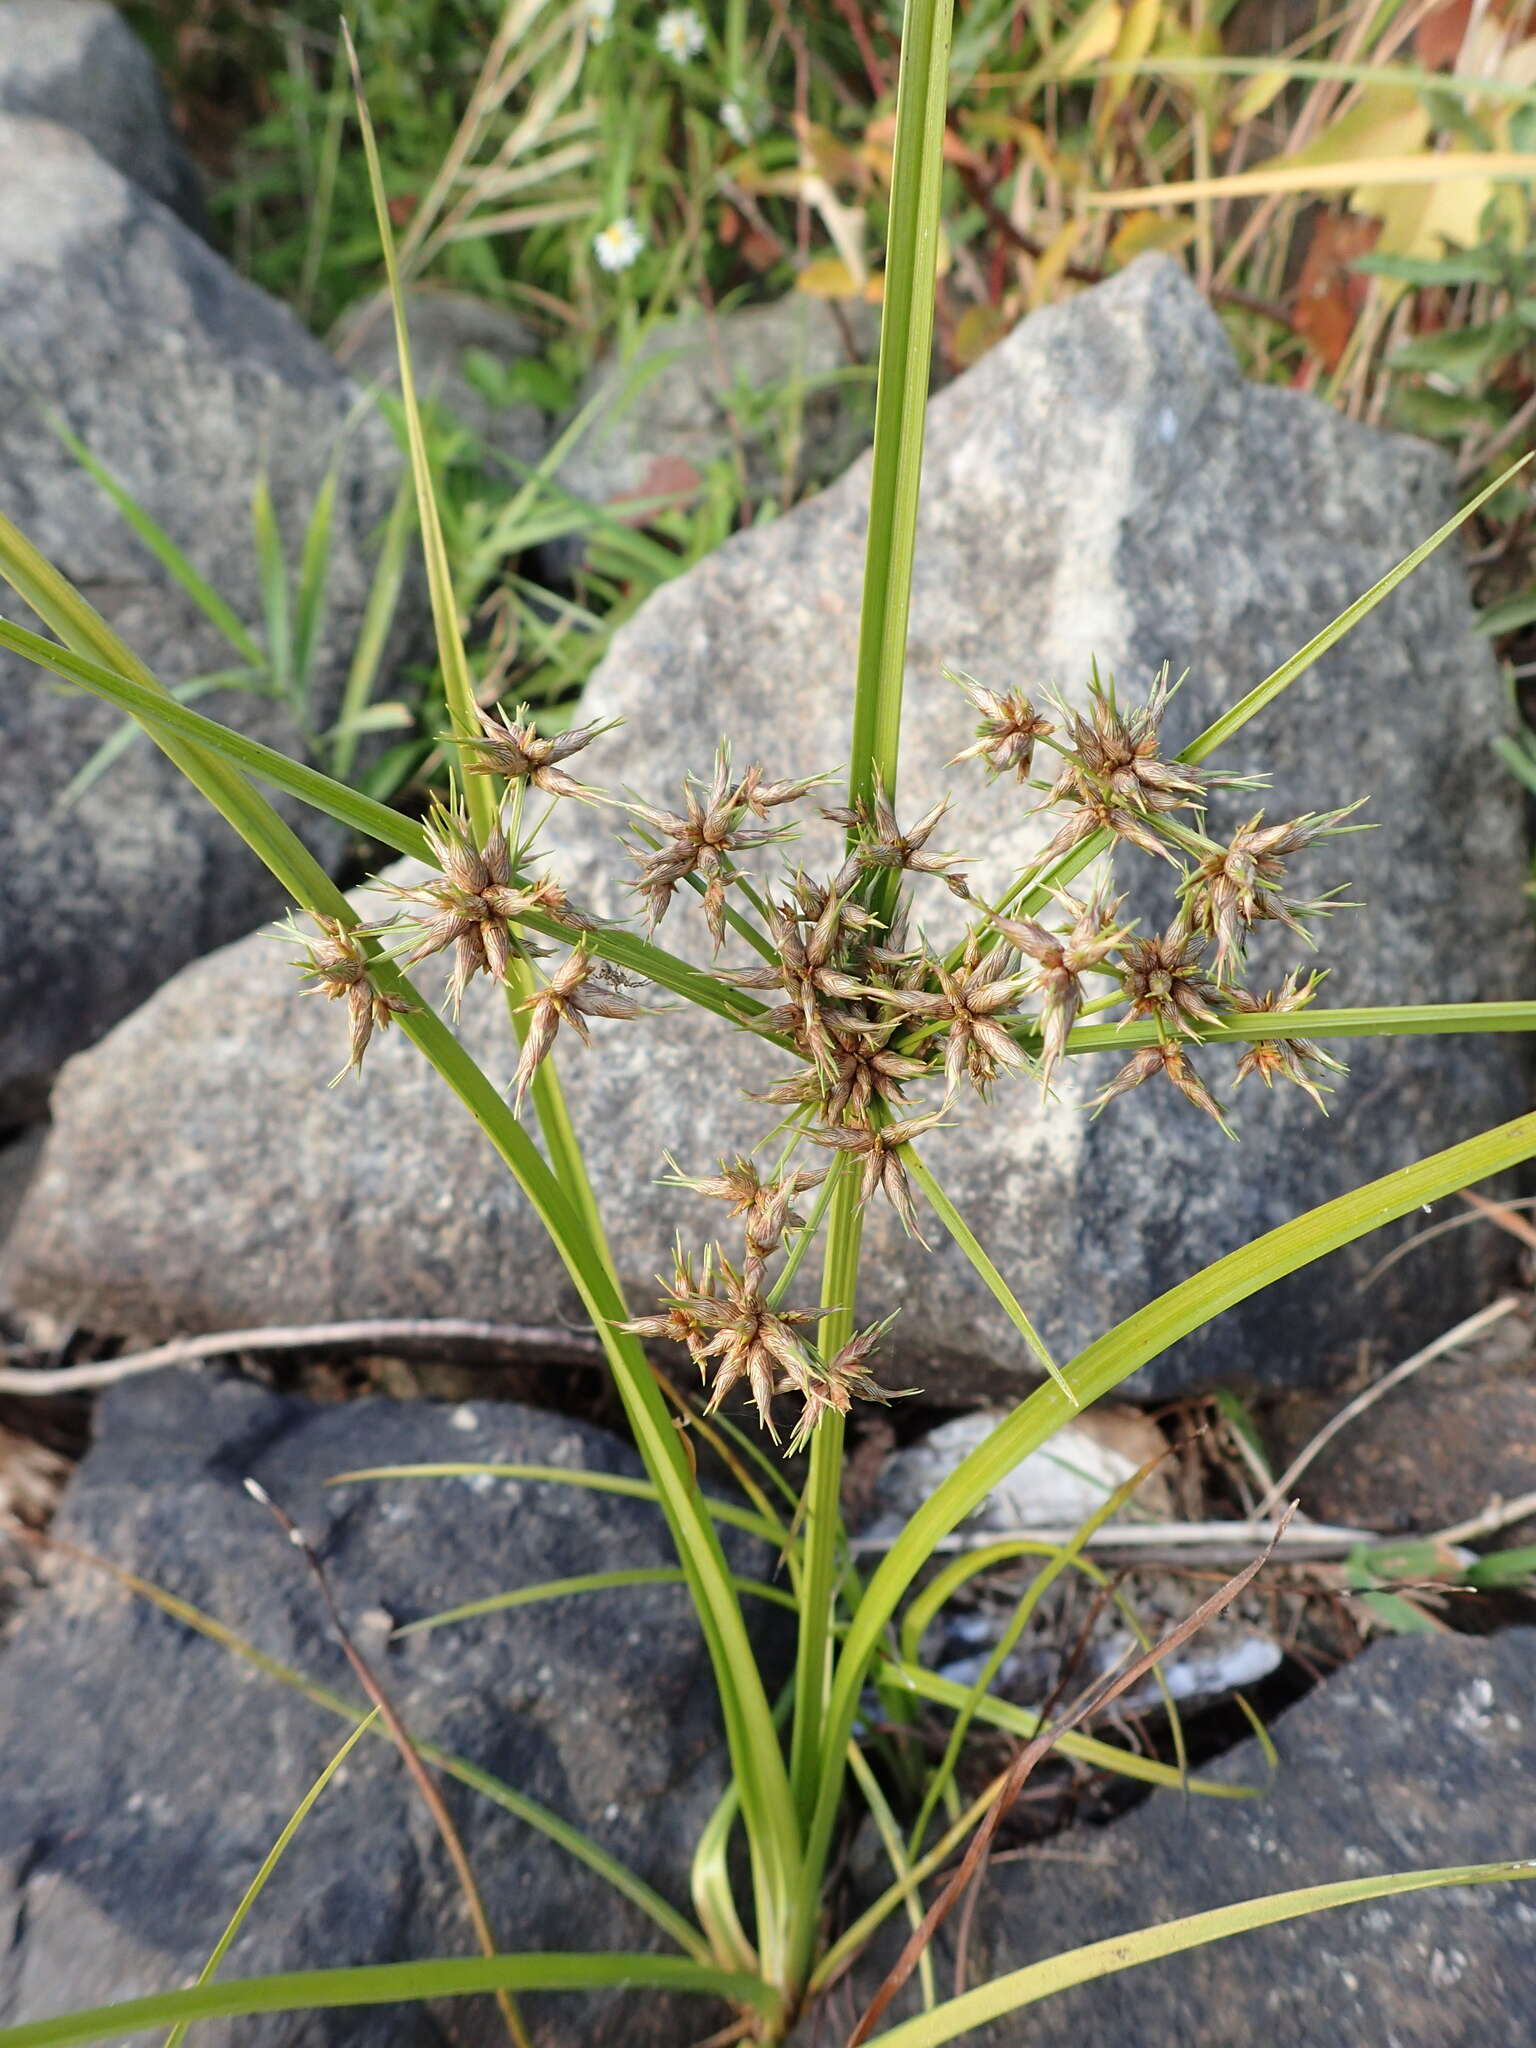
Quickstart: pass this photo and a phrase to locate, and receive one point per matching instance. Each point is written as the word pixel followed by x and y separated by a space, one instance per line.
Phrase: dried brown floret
pixel 516 750
pixel 1163 978
pixel 701 839
pixel 570 996
pixel 968 1000
pixel 880 1151
pixel 336 966
pixel 881 843
pixel 1061 959
pixel 734 1324
pixel 474 902
pixel 1297 1060
pixel 1172 1060
pixel 1242 884
pixel 834 1384
pixel 767 1205
pixel 1008 726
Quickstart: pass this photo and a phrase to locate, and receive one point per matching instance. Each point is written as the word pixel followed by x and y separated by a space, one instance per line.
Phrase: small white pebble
pixel 464 1418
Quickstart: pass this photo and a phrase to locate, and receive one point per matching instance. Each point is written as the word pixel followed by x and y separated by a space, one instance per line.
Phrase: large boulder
pixel 187 383
pixel 77 62
pixel 1422 1755
pixel 1103 483
pixel 149 1770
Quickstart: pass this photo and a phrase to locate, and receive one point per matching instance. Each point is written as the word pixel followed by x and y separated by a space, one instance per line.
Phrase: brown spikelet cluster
pixel 885 1032
pixel 336 966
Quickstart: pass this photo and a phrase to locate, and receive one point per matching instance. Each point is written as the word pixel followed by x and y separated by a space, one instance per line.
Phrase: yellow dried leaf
pixel 1093 39
pixel 1140 232
pixel 1137 31
pixel 1051 263
pixel 828 277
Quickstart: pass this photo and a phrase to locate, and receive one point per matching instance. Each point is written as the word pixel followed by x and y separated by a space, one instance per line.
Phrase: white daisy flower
pixel 617 245
pixel 735 123
pixel 680 34
pixel 599 20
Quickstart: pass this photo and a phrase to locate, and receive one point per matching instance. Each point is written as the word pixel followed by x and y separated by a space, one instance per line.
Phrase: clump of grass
pixel 866 1015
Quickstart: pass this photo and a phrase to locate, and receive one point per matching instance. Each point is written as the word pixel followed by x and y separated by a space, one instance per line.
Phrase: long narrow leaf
pixel 396 1984
pixel 1124 1951
pixel 1124 1350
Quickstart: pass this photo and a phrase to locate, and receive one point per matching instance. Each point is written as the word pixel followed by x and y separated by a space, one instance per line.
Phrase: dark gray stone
pixel 778 386
pixel 444 327
pixel 148 1771
pixel 1104 482
pixel 1421 1755
pixel 186 382
pixel 77 62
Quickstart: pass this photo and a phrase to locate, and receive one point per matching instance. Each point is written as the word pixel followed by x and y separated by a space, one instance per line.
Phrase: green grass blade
pixel 995 1284
pixel 458 685
pixel 395 1984
pixel 561 1832
pixel 1087 1749
pixel 1124 1350
pixel 213 607
pixel 270 1862
pixel 560 1475
pixel 61 607
pixel 114 747
pixel 1221 729
pixel 901 394
pixel 1418 1020
pixel 272 568
pixel 709 1886
pixel 584 1582
pixel 373 632
pixel 314 585
pixel 157 711
pixel 1148 1944
pixel 897 1855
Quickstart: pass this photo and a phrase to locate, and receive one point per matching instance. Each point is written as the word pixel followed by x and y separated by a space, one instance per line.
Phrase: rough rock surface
pixel 445 327
pixel 1103 482
pixel 148 1770
pixel 700 389
pixel 185 381
pixel 1421 1755
pixel 77 62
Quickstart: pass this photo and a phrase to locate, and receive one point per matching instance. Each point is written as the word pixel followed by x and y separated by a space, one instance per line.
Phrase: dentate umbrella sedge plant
pixel 869 1038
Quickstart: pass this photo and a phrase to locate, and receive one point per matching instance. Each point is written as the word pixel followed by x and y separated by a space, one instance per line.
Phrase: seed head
pixel 881 843
pixel 701 839
pixel 1113 772
pixel 1061 959
pixel 1007 728
pixel 1171 1059
pixel 336 967
pixel 1242 884
pixel 880 1151
pixel 1297 1060
pixel 969 1002
pixel 767 1205
pixel 836 1383
pixel 1162 978
pixel 570 996
pixel 516 750
pixel 732 1322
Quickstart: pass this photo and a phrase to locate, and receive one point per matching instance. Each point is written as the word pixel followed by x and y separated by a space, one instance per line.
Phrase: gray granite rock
pixel 780 386
pixel 445 328
pixel 186 382
pixel 1421 1755
pixel 148 1771
pixel 1103 482
pixel 77 62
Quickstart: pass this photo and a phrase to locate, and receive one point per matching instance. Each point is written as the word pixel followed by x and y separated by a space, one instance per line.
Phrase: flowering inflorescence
pixel 867 1006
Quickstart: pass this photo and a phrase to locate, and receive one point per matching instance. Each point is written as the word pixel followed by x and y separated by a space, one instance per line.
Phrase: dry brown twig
pixel 575 1347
